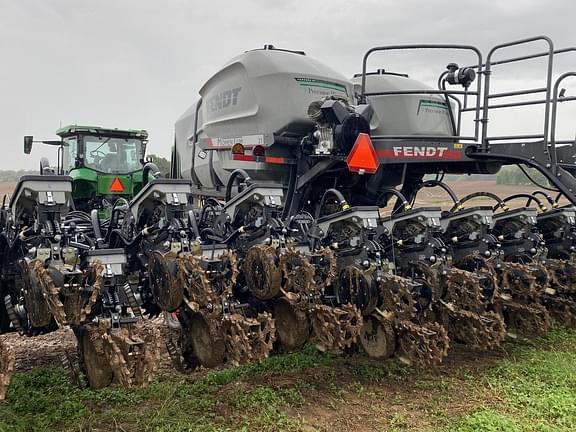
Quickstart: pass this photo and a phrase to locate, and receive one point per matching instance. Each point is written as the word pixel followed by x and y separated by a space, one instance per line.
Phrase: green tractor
pixel 105 164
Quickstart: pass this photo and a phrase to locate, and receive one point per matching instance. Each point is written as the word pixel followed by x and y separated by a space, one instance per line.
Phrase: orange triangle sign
pixel 117 186
pixel 363 157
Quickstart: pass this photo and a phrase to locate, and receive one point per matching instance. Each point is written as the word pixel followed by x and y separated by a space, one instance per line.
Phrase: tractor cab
pixel 104 164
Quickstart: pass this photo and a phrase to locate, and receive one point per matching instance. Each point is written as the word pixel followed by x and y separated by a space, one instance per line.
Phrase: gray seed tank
pixel 404 114
pixel 259 98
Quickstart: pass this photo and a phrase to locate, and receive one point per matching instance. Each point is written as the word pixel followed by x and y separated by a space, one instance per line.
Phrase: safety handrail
pixel 548 89
pixel 477 92
pixel 553 154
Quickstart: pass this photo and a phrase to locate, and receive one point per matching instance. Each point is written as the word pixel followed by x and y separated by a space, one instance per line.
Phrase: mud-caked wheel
pixel 93 358
pixel 292 325
pixel 262 272
pixel 206 340
pixel 36 305
pixel 377 337
pixel 167 291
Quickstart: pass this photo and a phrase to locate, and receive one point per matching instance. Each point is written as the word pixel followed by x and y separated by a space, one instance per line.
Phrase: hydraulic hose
pixel 548 197
pixel 397 194
pixel 208 232
pixel 437 183
pixel 205 209
pixel 557 199
pixel 235 174
pixel 113 221
pixel 458 204
pixel 530 198
pixel 339 196
pixel 150 167
pixel 117 233
pixel 96 227
pixel 88 240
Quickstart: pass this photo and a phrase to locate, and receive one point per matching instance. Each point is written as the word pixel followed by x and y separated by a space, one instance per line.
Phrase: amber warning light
pixel 117 186
pixel 363 158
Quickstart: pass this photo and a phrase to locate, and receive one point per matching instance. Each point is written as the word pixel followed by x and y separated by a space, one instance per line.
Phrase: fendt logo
pixel 419 152
pixel 224 99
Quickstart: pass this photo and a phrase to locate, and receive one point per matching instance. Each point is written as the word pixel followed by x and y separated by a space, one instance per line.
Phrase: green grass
pixel 532 388
pixel 45 400
pixel 537 389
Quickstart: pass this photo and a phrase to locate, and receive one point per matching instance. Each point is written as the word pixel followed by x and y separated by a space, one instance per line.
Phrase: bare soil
pixel 6 188
pixel 342 397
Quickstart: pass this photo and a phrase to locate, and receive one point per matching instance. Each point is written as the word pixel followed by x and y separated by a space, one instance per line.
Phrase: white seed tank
pixel 405 114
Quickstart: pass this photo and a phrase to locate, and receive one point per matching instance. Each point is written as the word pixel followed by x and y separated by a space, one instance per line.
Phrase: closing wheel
pixel 527 320
pixel 377 337
pixel 93 358
pixel 298 271
pixel 262 272
pixel 208 345
pixel 167 292
pixel 292 325
pixel 357 287
pixel 36 305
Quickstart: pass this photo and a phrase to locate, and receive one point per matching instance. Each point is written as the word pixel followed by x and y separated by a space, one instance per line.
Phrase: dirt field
pixel 6 188
pixel 523 386
pixel 437 196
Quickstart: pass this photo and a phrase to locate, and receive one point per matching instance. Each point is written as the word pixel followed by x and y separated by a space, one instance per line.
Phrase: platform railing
pixel 485 97
pixel 547 90
pixel 448 94
pixel 554 118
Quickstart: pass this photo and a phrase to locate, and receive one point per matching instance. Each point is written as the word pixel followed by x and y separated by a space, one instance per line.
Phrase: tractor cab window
pixel 112 155
pixel 70 153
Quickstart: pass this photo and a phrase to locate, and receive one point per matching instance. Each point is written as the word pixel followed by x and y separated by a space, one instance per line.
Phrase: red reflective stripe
pixel 275 160
pixel 252 158
pixel 241 157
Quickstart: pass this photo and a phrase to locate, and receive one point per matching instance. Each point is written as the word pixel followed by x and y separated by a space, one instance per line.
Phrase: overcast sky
pixel 140 63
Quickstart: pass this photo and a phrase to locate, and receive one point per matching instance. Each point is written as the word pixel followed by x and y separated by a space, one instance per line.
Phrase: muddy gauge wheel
pixel 357 287
pixel 92 357
pixel 36 305
pixel 206 341
pixel 292 325
pixel 167 292
pixel 377 337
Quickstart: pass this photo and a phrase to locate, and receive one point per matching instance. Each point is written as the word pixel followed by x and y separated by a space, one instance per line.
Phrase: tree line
pixel 512 175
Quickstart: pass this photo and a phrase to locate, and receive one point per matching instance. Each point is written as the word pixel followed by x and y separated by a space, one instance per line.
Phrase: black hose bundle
pixel 458 204
pixel 336 193
pixel 237 175
pixel 435 183
pixel 404 204
pixel 530 197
